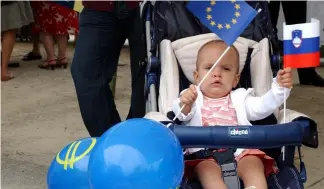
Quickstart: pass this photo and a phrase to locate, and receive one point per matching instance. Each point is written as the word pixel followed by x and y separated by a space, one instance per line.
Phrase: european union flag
pixel 75 5
pixel 227 19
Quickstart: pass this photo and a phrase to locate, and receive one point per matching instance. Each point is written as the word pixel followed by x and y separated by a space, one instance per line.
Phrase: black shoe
pixel 32 56
pixel 317 81
pixel 308 76
pixel 12 64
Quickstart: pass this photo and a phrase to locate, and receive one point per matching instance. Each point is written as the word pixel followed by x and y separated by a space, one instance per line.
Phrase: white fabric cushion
pixel 169 79
pixel 261 72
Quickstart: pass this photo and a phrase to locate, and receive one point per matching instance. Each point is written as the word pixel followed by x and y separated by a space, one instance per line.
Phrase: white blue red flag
pixel 302 44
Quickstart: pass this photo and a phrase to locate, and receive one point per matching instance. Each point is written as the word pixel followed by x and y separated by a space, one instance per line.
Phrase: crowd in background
pixel 51 23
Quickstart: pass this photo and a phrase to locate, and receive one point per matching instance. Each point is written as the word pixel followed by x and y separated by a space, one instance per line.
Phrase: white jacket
pixel 248 107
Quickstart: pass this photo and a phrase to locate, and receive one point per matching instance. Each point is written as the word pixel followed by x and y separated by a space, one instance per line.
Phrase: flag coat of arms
pixel 302 44
pixel 227 19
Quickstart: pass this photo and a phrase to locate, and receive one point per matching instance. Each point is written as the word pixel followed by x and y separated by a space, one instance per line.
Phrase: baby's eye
pixel 208 67
pixel 227 69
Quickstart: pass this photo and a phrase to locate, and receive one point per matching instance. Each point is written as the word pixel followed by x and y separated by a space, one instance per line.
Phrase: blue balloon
pixel 137 154
pixel 69 168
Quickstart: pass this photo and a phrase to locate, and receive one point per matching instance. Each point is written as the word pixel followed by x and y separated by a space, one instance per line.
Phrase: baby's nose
pixel 216 74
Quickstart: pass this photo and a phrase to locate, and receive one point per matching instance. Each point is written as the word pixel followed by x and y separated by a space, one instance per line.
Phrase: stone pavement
pixel 40 115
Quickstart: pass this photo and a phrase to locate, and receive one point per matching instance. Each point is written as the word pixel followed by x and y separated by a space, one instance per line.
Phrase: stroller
pixel 173 38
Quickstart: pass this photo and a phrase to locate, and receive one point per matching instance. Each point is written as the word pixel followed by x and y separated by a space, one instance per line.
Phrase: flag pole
pixel 283 149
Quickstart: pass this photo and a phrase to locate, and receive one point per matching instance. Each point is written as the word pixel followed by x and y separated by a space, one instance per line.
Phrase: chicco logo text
pixel 238 132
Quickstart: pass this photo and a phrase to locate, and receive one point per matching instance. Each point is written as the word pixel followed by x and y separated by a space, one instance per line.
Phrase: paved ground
pixel 40 115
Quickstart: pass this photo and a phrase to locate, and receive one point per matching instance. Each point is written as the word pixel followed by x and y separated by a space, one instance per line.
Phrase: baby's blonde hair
pixel 218 43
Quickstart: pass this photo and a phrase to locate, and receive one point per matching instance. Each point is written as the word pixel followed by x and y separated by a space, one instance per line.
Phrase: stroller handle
pixel 260 136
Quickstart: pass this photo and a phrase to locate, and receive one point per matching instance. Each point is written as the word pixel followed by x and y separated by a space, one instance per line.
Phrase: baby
pixel 216 103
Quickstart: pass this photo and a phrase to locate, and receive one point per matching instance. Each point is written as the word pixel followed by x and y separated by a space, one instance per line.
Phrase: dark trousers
pixel 101 37
pixel 295 12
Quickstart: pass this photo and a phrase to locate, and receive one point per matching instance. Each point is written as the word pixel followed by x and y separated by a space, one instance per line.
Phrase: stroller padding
pixel 310 134
pixel 169 77
pixel 265 136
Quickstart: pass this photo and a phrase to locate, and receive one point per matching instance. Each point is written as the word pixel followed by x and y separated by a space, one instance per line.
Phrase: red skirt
pixel 268 162
pixel 54 19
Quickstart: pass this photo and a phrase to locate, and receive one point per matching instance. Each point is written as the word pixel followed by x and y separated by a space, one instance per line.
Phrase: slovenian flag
pixel 302 44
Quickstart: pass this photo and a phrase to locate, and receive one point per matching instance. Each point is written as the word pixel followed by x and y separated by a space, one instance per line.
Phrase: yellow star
pixel 234 21
pixel 237 14
pixel 209 17
pixel 213 2
pixel 237 6
pixel 212 23
pixel 220 26
pixel 208 9
pixel 227 26
pixel 233 1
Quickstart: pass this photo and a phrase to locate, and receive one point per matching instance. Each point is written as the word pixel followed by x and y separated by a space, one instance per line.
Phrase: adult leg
pixel 274 8
pixel 49 43
pixel 94 64
pixel 8 42
pixel 34 54
pixel 132 26
pixel 36 49
pixel 295 11
pixel 251 170
pixel 62 47
pixel 297 15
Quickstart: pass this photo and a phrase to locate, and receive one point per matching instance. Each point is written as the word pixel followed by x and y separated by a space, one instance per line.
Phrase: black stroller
pixel 170 31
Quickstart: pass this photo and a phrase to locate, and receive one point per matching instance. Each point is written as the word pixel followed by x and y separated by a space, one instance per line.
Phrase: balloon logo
pixel 72 159
pixel 69 168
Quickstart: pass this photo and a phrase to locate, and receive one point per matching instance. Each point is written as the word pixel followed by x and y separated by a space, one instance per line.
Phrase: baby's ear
pixel 196 76
pixel 237 80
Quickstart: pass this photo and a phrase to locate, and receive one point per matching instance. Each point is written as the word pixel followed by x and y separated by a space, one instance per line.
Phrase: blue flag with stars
pixel 227 19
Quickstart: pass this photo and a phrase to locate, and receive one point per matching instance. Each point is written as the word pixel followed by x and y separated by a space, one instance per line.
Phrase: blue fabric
pixel 288 177
pixel 67 4
pixel 227 19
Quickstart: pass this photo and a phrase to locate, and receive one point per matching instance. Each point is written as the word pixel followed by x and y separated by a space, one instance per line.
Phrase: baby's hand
pixel 189 96
pixel 284 78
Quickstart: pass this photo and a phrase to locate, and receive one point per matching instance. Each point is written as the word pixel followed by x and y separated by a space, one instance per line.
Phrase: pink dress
pixel 221 112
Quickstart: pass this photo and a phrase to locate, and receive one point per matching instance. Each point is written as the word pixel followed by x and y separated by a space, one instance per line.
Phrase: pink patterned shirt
pixel 218 112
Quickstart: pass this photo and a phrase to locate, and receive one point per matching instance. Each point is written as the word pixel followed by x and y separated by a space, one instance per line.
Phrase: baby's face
pixel 224 77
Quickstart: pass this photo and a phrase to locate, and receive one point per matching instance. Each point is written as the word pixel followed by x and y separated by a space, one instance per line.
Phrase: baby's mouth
pixel 216 83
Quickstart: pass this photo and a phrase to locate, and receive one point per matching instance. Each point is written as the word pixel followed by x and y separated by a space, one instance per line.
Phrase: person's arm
pixel 261 107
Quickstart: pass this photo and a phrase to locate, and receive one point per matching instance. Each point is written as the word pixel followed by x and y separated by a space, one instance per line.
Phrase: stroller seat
pixel 180 55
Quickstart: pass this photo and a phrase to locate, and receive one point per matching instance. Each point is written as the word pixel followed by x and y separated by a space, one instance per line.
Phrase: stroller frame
pixel 307 127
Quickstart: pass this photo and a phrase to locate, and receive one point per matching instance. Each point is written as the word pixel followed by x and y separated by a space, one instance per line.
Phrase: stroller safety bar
pixel 261 136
